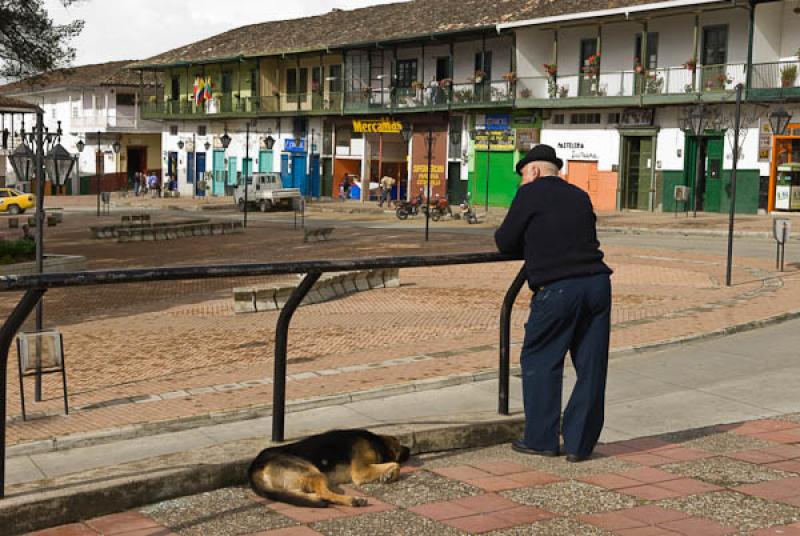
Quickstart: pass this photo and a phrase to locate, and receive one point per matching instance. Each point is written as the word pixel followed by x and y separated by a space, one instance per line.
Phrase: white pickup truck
pixel 266 191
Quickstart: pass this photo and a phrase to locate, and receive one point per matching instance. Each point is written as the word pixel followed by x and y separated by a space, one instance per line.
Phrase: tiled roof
pixel 101 74
pixel 386 22
pixel 10 104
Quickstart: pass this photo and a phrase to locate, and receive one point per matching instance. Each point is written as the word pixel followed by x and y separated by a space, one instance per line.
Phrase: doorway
pixel 265 161
pixel 456 188
pixel 218 185
pixel 587 83
pixel 709 183
pixel 637 182
pixel 137 162
pixel 714 57
pixel 200 172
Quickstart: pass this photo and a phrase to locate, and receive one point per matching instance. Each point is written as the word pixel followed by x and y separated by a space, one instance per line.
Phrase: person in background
pixel 26 233
pixel 552 225
pixel 387 183
pixel 346 188
pixel 152 184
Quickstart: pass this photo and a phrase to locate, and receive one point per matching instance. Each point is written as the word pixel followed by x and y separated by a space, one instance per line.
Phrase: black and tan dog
pixel 302 473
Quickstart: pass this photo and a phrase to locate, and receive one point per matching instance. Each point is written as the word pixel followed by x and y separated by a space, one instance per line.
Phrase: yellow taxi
pixel 15 202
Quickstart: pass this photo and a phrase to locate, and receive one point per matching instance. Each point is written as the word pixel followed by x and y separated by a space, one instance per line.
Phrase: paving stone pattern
pixel 498 492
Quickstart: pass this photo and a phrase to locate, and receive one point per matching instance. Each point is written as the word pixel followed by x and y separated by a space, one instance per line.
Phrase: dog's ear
pixel 399 452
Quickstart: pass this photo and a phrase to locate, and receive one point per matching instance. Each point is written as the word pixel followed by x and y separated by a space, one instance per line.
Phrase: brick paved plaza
pixel 175 350
pixel 738 479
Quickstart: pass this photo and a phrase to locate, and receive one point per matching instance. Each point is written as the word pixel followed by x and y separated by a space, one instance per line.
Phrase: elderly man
pixel 551 224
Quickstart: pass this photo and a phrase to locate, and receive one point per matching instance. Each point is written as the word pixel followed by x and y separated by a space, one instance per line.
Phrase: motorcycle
pixel 409 208
pixel 467 212
pixel 440 208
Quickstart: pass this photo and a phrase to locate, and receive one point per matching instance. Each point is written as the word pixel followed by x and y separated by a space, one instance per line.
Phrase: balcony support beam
pixel 750 31
pixel 695 47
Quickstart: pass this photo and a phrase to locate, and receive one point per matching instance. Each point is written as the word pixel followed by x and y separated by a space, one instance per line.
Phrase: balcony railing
pixel 630 83
pixel 100 119
pixel 776 78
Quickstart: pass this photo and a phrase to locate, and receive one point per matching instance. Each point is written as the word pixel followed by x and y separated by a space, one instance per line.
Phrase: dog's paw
pixel 391 475
pixel 359 501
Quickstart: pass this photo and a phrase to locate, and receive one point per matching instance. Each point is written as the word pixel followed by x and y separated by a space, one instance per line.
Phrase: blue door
pixel 286 179
pixel 265 161
pixel 218 185
pixel 190 169
pixel 314 176
pixel 201 170
pixel 232 168
pixel 299 177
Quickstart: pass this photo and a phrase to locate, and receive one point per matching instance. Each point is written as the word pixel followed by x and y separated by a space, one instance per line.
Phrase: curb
pixel 29 512
pixel 681 232
pixel 87 439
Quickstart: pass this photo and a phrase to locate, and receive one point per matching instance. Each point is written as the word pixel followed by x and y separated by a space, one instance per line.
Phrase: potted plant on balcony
pixel 551 69
pixel 552 86
pixel 788 75
pixel 592 67
pixel 478 76
pixel 510 76
pixel 445 83
pixel 525 93
pixel 691 64
pixel 563 92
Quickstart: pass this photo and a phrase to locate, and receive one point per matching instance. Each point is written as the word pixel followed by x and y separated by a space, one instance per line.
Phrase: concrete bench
pixel 320 234
pixel 329 286
pixel 13 223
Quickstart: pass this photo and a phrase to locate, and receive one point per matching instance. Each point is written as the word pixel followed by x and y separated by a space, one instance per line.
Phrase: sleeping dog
pixel 302 473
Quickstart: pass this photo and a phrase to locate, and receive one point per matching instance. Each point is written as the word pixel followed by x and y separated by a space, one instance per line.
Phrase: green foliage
pixel 13 251
pixel 30 42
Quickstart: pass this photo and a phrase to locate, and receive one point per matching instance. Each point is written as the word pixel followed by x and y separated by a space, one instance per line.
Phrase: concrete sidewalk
pixel 742 377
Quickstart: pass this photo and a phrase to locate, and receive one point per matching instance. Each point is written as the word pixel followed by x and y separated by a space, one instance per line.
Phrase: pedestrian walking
pixel 386 190
pixel 551 224
pixel 345 188
pixel 152 184
pixel 136 184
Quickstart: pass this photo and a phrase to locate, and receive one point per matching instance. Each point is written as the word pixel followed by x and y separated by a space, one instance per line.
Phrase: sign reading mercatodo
pixel 377 126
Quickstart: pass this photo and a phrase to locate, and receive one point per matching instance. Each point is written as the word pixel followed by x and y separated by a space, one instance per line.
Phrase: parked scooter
pixel 468 212
pixel 440 207
pixel 409 208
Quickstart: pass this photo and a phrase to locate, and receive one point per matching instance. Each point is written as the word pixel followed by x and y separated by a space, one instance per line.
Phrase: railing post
pixel 281 344
pixel 7 333
pixel 504 371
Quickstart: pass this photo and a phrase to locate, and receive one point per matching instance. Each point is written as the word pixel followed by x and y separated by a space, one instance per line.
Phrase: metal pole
pixel 504 371
pixel 732 213
pixel 281 344
pixel 7 332
pixel 39 246
pixel 97 165
pixel 697 167
pixel 194 165
pixel 428 200
pixel 488 168
pixel 247 171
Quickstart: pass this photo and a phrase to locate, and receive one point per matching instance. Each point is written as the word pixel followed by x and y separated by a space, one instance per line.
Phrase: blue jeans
pixel 572 314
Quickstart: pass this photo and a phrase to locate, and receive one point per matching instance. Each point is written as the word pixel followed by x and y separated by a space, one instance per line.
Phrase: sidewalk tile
pixel 501 467
pixel 461 472
pixel 441 510
pixel 494 483
pixel 759 456
pixel 612 520
pixel 791 466
pixel 695 526
pixel 649 475
pixel 476 524
pixel 646 531
pixel 653 514
pixel 76 529
pixel 779 530
pixel 646 458
pixel 783 436
pixel 610 481
pixel 774 490
pixel 651 492
pixel 289 531
pixel 534 478
pixel 763 425
pixel 123 522
pixel 689 486
pixel 523 514
pixel 483 504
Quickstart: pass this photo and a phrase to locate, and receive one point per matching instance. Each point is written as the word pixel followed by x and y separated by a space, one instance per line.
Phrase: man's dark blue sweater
pixel 551 224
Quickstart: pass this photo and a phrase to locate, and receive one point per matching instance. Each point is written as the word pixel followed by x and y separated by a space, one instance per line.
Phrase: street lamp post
pixel 731 214
pixel 247 171
pixel 406 132
pixel 59 163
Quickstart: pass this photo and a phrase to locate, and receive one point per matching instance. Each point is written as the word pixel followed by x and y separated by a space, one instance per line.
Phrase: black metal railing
pixel 36 286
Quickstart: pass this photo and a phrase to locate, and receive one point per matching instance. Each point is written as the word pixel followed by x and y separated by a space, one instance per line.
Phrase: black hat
pixel 540 153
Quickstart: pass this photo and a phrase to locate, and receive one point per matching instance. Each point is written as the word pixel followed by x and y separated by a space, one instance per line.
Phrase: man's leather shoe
pixel 519 446
pixel 574 458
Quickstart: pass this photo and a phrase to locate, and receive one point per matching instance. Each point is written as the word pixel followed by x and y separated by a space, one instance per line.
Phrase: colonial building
pixel 101 106
pixel 608 83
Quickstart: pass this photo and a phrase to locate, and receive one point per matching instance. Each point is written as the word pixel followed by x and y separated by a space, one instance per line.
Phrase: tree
pixel 30 42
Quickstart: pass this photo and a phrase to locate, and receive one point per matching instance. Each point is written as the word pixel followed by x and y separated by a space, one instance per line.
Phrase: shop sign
pixel 782 195
pixel 494 140
pixel 575 150
pixel 377 126
pixel 526 119
pixel 290 145
pixel 764 140
pixel 498 121
pixel 438 163
pixel 637 117
pixel 527 138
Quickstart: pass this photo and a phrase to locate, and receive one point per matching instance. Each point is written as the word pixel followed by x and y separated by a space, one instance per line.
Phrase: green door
pixel 247 167
pixel 503 180
pixel 638 172
pixel 265 161
pixel 218 184
pixel 713 189
pixel 232 168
